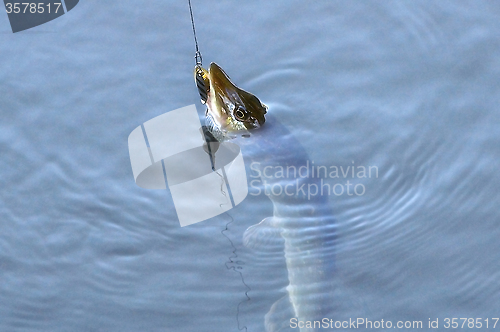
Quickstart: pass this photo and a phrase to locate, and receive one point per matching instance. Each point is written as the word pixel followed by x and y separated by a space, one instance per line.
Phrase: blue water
pixel 410 87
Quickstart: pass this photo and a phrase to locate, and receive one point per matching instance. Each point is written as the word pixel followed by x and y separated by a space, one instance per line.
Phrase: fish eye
pixel 239 114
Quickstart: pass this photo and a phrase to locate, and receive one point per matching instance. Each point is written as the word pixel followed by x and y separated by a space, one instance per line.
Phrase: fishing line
pixel 236 269
pixel 230 265
pixel 197 55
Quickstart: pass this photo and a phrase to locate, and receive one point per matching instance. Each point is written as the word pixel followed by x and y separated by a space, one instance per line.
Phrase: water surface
pixel 410 87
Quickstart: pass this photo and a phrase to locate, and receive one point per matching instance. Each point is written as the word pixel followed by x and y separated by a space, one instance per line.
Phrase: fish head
pixel 229 109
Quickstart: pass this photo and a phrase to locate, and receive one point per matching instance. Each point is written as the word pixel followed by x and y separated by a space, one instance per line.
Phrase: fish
pixel 231 111
pixel 306 224
pixel 305 227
